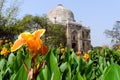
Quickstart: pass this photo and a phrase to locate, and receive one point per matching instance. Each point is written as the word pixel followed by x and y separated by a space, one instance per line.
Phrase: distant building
pixel 78 36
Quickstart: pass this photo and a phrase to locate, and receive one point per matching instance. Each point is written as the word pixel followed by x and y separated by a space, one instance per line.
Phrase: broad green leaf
pixel 79 77
pixel 53 65
pixel 44 74
pixel 80 66
pixel 22 74
pixel 6 73
pixel 58 51
pixel 89 69
pixel 68 76
pixel 12 61
pixel 0 76
pixel 2 63
pixel 19 58
pixel 63 66
pixel 74 57
pixel 12 77
pixel 112 72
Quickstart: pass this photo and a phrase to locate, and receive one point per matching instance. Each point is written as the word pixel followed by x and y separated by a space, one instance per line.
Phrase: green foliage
pixel 112 72
pixel 9 24
pixel 21 73
pixel 53 66
pixel 55 35
pixel 102 65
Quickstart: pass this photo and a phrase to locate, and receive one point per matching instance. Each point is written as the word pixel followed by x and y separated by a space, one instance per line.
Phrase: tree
pixel 33 22
pixel 9 26
pixel 8 12
pixel 114 34
pixel 55 33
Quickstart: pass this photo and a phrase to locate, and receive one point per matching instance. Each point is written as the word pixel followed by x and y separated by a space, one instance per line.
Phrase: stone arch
pixel 74 39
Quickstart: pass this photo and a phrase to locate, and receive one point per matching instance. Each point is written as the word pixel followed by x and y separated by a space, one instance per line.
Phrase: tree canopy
pixel 9 24
pixel 55 33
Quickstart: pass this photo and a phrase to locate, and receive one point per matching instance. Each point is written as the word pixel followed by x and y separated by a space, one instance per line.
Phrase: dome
pixel 60 14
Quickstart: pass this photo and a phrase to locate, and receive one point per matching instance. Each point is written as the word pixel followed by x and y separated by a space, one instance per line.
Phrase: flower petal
pixel 18 43
pixel 26 36
pixel 39 32
pixel 44 49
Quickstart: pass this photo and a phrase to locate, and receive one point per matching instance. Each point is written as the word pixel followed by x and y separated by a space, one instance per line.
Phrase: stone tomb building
pixel 78 36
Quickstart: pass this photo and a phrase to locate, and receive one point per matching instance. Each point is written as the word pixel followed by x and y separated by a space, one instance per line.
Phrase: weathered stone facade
pixel 78 36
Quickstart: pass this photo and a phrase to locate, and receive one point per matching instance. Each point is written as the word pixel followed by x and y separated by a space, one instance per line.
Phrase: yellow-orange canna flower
pixel 86 57
pixel 62 50
pixel 4 51
pixel 33 41
pixel 78 53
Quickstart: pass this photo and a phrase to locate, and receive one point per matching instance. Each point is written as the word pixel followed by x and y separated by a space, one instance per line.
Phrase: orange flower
pixel 33 41
pixel 86 57
pixel 4 51
pixel 78 53
pixel 63 50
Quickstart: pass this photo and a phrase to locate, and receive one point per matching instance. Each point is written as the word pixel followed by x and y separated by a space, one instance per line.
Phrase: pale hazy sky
pixel 99 15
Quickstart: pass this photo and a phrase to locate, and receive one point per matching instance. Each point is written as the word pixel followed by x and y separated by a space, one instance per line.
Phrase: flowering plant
pixel 35 46
pixel 29 59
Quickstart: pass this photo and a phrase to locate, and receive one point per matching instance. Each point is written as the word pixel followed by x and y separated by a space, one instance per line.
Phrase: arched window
pixel 74 35
pixel 82 34
pixel 74 40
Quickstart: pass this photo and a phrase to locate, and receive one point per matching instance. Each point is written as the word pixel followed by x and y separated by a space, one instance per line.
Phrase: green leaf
pixel 44 74
pixel 112 72
pixel 69 74
pixel 80 66
pixel 89 69
pixel 53 65
pixel 2 63
pixel 22 74
pixel 79 77
pixel 63 66
pixel 58 51
pixel 13 76
pixel 0 76
pixel 12 61
pixel 19 58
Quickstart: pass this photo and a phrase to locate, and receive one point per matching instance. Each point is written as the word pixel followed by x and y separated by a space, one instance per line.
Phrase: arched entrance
pixel 74 46
pixel 74 40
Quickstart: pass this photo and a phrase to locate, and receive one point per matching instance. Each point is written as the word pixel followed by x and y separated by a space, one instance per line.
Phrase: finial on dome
pixel 60 5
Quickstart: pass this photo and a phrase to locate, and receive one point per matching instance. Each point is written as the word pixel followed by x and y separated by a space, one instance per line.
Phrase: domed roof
pixel 60 14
